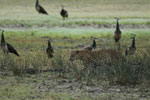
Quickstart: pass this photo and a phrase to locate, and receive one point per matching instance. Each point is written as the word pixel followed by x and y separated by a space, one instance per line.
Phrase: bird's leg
pixel 63 18
pixel 63 21
pixel 4 60
pixel 118 45
pixel 6 56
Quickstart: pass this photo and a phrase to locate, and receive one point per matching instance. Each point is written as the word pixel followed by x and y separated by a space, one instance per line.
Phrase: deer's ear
pixel 77 51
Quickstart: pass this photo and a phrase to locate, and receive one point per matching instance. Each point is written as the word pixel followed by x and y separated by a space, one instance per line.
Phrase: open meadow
pixel 34 76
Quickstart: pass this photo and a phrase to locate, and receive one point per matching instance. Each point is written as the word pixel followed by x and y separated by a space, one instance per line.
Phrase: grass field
pixel 83 12
pixel 33 76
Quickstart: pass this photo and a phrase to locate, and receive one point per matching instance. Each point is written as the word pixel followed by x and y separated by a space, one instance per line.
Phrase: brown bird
pixel 7 48
pixel 117 33
pixel 39 8
pixel 90 47
pixel 131 49
pixel 64 13
pixel 49 50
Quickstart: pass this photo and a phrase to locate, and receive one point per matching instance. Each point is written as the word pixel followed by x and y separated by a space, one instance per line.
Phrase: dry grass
pixel 34 76
pixel 31 46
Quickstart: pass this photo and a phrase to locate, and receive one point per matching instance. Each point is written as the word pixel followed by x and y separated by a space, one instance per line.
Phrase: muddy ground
pixel 47 83
pixel 101 26
pixel 102 91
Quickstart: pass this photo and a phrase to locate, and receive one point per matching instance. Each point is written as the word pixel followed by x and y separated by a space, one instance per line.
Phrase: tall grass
pixel 134 70
pixel 31 46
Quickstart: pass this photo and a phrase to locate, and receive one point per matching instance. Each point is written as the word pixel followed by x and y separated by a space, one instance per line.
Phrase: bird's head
pixel 49 44
pixel 117 18
pixel 2 31
pixel 133 35
pixel 49 39
pixel 93 38
pixel 62 6
pixel 37 2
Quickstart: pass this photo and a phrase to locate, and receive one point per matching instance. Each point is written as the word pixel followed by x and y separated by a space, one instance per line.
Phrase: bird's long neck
pixel 2 38
pixel 117 25
pixel 94 44
pixel 37 3
pixel 133 42
pixel 49 44
pixel 62 7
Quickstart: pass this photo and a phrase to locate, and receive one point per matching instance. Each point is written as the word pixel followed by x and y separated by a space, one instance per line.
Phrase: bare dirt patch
pixel 101 91
pixel 125 26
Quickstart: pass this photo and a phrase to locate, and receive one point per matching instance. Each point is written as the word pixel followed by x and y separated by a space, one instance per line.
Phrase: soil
pixel 49 82
pixel 77 88
pixel 125 26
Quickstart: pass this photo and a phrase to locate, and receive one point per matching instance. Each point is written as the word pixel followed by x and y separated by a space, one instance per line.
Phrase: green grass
pixel 71 32
pixel 31 44
pixel 73 22
pixel 31 40
pixel 29 31
pixel 85 12
pixel 13 90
